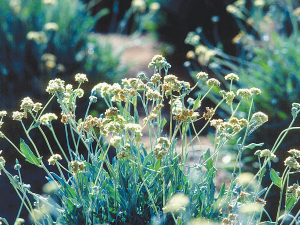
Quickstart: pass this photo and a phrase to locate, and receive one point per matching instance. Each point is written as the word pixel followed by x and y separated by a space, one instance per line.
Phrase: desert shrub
pixel 150 181
pixel 42 39
pixel 266 57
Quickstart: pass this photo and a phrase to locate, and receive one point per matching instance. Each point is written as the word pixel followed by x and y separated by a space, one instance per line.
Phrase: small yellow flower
pixel 54 158
pixel 51 26
pixel 213 82
pixel 80 78
pixel 47 118
pixel 244 93
pixel 112 111
pixel 295 153
pixel 232 76
pixel 259 118
pixel 3 113
pixel 267 153
pixel 209 113
pixel 18 115
pixel 37 106
pixel 56 85
pixel 155 78
pixel 201 75
pixel 27 104
pixel 255 91
pixel 77 166
pixel 292 162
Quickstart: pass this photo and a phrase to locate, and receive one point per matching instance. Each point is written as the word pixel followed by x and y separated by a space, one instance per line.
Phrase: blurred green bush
pixel 41 39
pixel 267 58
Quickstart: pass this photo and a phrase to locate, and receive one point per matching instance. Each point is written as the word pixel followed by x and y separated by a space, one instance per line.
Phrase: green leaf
pixel 275 178
pixel 185 128
pixel 157 165
pixel 253 145
pixel 28 154
pixel 163 123
pixel 197 102
pixel 290 202
pixel 209 162
pixel 222 191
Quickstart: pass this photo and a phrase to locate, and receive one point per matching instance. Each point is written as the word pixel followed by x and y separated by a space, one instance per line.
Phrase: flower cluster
pixel 124 152
pixel 185 115
pixel 209 113
pixel 56 86
pixel 154 113
pixel 292 163
pixel 54 158
pixel 17 115
pixel 228 129
pixel 213 82
pixel 171 83
pixel 77 166
pixel 201 75
pixel 47 118
pixel 294 190
pixel 110 124
pixel 232 76
pixel 259 118
pixel 80 78
pixel 161 148
pixel 159 62
pixel 265 153
pixel 295 153
pixel 88 124
pixel 65 117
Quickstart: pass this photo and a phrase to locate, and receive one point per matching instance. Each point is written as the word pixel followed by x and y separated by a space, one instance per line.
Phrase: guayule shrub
pixel 150 180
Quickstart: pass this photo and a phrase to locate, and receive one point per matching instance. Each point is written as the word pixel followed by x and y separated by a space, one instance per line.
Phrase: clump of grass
pixel 154 183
